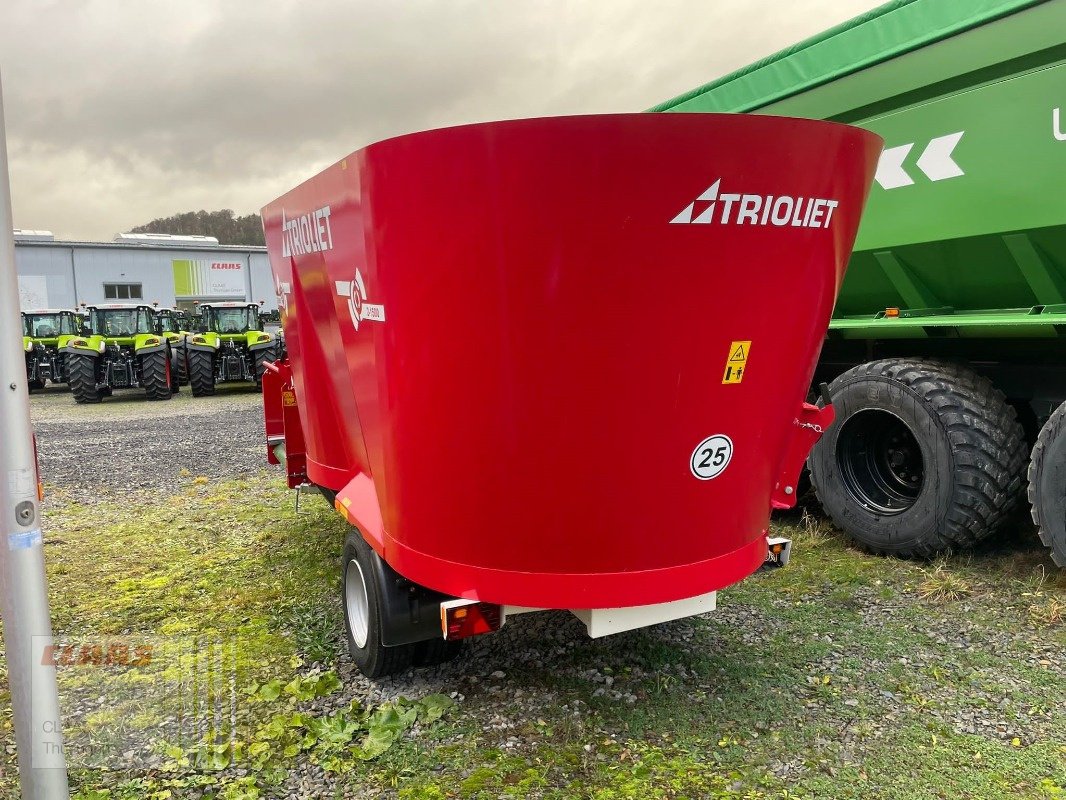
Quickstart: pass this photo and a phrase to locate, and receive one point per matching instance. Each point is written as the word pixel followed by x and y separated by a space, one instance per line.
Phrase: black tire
pixel 435 651
pixel 262 358
pixel 155 375
pixel 176 358
pixel 181 356
pixel 1047 485
pixel 201 373
pixel 81 374
pixel 364 639
pixel 924 458
pixel 35 385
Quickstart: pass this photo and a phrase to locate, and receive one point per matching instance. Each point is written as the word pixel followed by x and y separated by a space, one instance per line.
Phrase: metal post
pixel 31 674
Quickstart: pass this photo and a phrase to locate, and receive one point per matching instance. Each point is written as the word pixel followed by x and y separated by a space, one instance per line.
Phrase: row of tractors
pixel 129 346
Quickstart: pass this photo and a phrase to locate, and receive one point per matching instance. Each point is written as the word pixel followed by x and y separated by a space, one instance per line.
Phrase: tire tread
pixel 201 365
pixel 81 375
pixel 1049 433
pixel 987 442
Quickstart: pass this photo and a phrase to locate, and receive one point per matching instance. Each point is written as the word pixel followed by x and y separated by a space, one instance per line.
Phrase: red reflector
pixel 462 618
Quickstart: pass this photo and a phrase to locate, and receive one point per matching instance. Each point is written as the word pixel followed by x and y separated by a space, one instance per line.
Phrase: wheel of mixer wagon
pixel 1047 485
pixel 201 365
pixel 361 599
pixel 155 375
pixel 262 358
pixel 924 458
pixel 81 376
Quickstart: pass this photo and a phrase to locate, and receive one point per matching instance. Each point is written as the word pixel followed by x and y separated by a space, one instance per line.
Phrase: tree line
pixel 224 225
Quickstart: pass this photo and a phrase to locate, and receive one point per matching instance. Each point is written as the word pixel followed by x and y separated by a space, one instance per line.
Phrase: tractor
pixel 229 345
pixel 45 334
pixel 174 325
pixel 124 350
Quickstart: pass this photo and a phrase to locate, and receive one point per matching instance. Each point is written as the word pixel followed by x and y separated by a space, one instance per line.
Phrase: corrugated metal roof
pixel 885 32
pixel 140 245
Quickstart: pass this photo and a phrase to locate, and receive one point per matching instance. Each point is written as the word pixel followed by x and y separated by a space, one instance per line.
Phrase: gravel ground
pixel 127 444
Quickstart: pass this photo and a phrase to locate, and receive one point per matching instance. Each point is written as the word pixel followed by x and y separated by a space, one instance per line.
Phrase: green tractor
pixel 124 350
pixel 229 345
pixel 45 334
pixel 175 326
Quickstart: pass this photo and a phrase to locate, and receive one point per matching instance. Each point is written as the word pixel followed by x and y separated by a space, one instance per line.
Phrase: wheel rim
pixel 357 603
pixel 880 461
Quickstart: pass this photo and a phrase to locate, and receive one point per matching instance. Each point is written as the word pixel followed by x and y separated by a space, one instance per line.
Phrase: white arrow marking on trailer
pixel 935 161
pixel 890 173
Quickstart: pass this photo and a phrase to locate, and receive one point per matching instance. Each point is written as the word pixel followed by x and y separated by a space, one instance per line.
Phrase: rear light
pixel 462 618
pixel 891 312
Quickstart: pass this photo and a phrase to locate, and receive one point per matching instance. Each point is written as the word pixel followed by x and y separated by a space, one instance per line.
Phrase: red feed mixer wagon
pixel 557 363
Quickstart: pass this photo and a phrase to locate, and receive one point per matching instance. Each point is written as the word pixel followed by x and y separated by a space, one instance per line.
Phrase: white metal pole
pixel 31 672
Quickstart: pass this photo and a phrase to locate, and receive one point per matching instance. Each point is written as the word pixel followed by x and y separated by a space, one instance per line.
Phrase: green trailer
pixel 946 355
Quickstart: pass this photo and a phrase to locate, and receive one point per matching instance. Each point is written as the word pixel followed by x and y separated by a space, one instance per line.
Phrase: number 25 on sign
pixel 736 362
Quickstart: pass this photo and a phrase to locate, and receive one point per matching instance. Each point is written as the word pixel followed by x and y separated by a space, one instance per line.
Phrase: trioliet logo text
pixel 727 208
pixel 309 233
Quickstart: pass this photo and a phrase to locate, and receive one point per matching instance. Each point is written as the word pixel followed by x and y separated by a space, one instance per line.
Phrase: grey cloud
pixel 119 112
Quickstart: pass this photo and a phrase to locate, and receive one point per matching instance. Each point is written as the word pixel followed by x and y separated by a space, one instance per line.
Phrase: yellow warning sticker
pixel 736 363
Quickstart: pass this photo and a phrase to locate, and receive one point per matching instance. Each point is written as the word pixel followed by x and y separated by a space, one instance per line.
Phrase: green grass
pixel 833 678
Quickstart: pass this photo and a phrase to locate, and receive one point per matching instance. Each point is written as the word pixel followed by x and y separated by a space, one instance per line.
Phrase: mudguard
pixel 145 343
pixel 209 342
pixel 85 345
pixel 258 340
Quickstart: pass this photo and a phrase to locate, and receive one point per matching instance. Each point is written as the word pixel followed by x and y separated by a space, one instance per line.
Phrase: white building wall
pixel 76 273
pixel 50 266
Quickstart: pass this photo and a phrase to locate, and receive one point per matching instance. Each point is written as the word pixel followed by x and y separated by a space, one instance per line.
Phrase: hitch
pixel 809 425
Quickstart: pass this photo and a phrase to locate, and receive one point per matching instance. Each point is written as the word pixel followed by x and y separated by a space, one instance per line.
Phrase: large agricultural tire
pixel 1047 485
pixel 155 375
pixel 179 369
pixel 201 373
pixel 35 385
pixel 924 458
pixel 81 375
pixel 361 600
pixel 262 358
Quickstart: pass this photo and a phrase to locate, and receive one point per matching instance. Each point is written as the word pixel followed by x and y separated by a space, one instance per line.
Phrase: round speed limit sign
pixel 711 456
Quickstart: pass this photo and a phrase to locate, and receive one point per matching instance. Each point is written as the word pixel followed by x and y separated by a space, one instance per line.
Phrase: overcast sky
pixel 121 111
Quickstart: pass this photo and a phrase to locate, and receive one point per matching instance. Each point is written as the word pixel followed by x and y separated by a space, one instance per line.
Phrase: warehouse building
pixel 176 271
